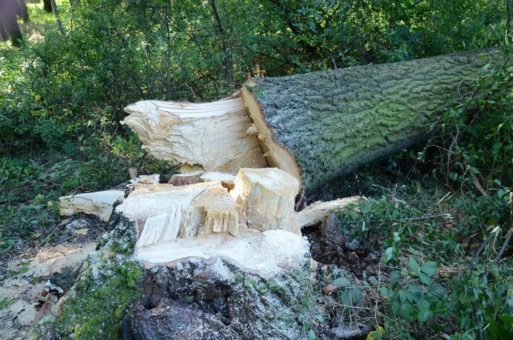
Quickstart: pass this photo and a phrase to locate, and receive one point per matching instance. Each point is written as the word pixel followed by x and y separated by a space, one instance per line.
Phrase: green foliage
pixel 98 307
pixel 62 97
pixel 421 241
pixel 30 188
pixel 74 87
pixel 478 135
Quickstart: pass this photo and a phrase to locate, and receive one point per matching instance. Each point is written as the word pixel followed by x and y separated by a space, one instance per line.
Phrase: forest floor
pixel 419 258
pixel 399 260
pixel 35 279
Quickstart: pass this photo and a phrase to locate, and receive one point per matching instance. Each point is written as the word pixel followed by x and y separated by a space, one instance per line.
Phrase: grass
pixel 30 187
pixel 4 303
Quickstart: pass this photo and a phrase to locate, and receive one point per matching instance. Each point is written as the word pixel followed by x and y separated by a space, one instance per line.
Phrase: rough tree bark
pixel 335 121
pixel 315 126
pixel 23 10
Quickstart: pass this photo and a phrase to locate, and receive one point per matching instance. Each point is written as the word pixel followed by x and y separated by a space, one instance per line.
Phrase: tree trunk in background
pixel 23 10
pixel 57 17
pixel 9 21
pixel 227 54
pixel 3 33
pixel 47 6
pixel 335 121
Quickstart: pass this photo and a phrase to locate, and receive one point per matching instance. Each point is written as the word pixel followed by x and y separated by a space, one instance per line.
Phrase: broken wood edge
pixel 275 154
pixel 208 136
pixel 318 211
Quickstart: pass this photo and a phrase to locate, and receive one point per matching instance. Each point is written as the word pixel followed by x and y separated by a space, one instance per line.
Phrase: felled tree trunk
pixel 332 122
pixel 315 126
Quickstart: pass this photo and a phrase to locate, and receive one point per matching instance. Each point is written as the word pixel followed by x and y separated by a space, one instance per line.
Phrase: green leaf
pixel 372 280
pixel 424 315
pixel 414 266
pixel 424 312
pixel 438 290
pixel 352 296
pixel 397 238
pixel 341 282
pixel 403 295
pixel 385 292
pixel 425 279
pixel 389 254
pixel 415 292
pixel 430 268
pixel 407 312
pixel 395 276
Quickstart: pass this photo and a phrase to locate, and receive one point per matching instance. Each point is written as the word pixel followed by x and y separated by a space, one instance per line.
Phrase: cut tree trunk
pixel 330 123
pixel 315 126
pixel 221 244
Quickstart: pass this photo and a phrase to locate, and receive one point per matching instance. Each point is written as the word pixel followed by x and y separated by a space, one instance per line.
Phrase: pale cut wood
pixel 275 155
pixel 164 212
pixel 227 180
pixel 210 135
pixel 318 211
pixel 267 198
pixel 99 203
pixel 219 212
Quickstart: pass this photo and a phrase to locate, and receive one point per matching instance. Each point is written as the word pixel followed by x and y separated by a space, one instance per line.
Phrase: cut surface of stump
pixel 204 220
pixel 164 212
pixel 258 253
pixel 267 197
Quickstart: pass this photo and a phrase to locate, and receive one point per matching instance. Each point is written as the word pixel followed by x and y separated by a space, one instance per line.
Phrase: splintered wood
pixel 246 225
pixel 318 211
pixel 235 195
pixel 210 135
pixel 262 199
pixel 94 203
pixel 267 197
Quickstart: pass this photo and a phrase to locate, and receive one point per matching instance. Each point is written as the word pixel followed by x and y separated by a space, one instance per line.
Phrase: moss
pixel 121 240
pixel 123 247
pixel 95 312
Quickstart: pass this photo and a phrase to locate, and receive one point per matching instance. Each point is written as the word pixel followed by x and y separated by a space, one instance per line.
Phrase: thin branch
pixel 508 19
pixel 58 18
pixel 510 231
pixel 227 59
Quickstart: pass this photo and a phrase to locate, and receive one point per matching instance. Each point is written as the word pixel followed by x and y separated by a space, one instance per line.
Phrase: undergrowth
pixel 442 219
pixel 439 261
pixel 30 186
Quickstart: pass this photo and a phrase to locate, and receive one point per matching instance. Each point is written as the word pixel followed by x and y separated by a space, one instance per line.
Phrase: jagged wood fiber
pixel 334 121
